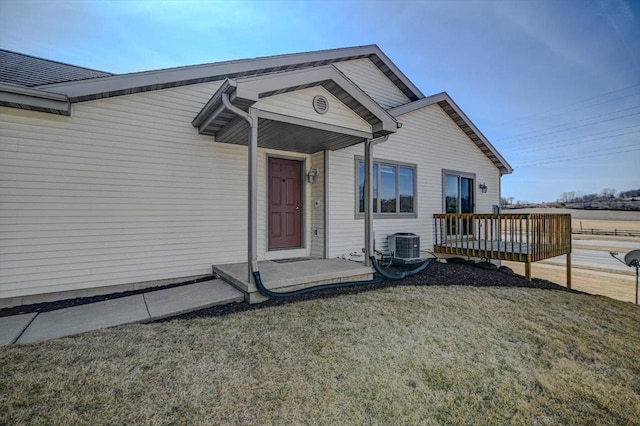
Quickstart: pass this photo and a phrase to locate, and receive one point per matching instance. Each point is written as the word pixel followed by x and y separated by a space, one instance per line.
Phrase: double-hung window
pixel 394 189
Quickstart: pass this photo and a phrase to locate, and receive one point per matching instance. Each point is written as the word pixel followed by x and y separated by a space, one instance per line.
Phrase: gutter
pixel 252 118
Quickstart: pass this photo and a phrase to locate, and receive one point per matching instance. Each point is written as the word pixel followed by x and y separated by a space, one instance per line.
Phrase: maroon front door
pixel 285 210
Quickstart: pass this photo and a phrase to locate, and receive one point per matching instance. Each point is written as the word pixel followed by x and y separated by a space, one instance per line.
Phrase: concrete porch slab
pixel 292 275
pixel 12 327
pixel 193 297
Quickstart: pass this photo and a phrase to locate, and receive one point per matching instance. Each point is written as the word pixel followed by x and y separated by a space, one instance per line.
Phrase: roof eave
pixel 33 99
pixel 153 80
pixel 503 166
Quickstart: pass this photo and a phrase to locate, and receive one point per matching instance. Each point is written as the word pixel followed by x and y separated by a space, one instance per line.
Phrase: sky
pixel 553 85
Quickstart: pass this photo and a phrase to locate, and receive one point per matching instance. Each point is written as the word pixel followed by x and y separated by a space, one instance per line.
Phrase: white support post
pixel 368 203
pixel 253 195
pixel 368 197
pixel 252 177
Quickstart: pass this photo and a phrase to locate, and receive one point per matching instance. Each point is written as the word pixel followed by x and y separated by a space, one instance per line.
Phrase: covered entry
pixel 305 111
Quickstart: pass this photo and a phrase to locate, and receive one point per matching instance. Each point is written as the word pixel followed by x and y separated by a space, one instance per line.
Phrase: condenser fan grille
pixel 404 247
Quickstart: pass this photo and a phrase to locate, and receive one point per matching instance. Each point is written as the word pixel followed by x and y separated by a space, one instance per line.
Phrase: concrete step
pixel 293 275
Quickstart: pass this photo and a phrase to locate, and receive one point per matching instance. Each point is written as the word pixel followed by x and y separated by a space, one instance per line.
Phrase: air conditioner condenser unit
pixel 404 248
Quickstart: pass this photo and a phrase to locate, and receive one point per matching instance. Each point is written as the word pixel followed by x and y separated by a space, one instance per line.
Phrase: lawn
pixel 413 354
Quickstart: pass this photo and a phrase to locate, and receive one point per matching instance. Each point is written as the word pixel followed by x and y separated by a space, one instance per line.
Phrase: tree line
pixel 607 194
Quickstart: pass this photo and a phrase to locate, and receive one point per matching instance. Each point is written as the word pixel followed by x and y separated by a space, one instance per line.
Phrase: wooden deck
pixel 515 237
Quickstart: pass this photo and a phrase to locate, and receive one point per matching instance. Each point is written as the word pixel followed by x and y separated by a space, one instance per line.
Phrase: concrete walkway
pixel 153 305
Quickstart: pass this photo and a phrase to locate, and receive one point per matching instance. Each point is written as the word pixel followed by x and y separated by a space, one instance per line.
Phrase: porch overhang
pixel 288 132
pixel 33 99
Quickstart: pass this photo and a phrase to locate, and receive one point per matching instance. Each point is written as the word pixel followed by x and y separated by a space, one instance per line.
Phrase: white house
pixel 114 182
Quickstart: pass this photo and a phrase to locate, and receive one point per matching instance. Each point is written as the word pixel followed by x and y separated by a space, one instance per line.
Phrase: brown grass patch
pixel 616 285
pixel 428 355
pixel 609 225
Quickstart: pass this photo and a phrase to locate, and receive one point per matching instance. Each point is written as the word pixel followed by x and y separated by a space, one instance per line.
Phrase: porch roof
pixel 286 132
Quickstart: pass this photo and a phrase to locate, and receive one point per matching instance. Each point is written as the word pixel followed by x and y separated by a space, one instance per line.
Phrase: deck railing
pixel 515 237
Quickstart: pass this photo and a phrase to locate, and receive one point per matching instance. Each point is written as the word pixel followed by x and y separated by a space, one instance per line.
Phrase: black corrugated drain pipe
pixel 383 276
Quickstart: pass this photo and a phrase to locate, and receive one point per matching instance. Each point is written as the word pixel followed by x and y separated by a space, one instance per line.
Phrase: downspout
pixel 368 204
pixel 252 219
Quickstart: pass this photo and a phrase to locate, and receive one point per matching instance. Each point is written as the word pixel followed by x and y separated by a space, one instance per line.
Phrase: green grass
pixel 428 355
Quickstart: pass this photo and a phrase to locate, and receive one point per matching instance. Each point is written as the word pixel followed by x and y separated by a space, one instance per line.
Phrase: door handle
pixel 297 208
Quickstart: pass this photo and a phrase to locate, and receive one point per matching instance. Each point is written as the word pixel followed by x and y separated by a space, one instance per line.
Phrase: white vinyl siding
pixel 123 191
pixel 431 140
pixel 299 104
pixel 317 211
pixel 373 82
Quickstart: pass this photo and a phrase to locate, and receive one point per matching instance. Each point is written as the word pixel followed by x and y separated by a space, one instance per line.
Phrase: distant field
pixel 594 219
pixel 615 215
pixel 603 282
pixel 610 225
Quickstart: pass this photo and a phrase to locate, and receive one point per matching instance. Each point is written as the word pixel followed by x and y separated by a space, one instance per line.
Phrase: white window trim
pixel 397 164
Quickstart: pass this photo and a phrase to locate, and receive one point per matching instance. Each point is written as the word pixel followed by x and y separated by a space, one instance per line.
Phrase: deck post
pixel 527 270
pixel 569 270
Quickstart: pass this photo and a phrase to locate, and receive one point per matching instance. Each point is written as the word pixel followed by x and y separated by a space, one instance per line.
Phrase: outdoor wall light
pixel 483 188
pixel 312 174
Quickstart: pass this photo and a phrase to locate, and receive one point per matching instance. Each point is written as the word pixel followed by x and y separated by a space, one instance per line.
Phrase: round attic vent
pixel 320 104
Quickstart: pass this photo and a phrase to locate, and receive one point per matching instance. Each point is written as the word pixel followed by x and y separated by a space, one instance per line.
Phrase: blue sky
pixel 554 85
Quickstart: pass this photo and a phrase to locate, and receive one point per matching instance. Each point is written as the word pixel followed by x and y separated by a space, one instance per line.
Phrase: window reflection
pixel 406 190
pixel 393 189
pixel 387 189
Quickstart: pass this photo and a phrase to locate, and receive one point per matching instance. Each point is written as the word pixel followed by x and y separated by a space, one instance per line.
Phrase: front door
pixel 285 210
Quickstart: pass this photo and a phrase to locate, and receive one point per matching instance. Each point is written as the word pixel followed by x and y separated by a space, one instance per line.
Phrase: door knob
pixel 297 208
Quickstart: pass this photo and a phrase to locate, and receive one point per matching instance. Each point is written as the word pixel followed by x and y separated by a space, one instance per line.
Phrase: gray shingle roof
pixel 29 71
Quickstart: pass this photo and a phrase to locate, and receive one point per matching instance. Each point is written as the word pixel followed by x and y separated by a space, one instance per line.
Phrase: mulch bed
pixel 456 272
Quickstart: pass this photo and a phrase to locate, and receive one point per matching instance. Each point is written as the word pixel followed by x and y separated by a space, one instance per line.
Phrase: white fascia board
pixel 444 96
pixel 227 87
pixel 250 88
pixel 421 103
pixel 85 88
pixel 34 99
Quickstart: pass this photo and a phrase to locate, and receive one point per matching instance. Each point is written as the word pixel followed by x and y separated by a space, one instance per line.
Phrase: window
pixel 394 188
